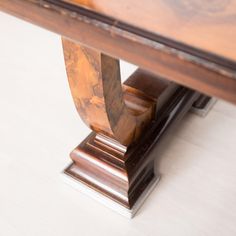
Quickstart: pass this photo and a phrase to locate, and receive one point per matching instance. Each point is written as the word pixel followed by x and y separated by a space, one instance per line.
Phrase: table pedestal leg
pixel 127 120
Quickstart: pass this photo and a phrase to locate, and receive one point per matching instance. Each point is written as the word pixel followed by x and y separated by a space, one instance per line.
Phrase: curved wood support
pixel 95 84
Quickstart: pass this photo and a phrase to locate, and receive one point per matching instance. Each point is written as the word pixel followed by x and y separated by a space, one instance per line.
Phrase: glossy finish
pixel 207 25
pixel 97 92
pixel 197 69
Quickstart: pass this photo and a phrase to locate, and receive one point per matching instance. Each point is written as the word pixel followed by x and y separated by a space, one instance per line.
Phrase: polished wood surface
pixel 96 88
pixel 208 25
pixel 185 65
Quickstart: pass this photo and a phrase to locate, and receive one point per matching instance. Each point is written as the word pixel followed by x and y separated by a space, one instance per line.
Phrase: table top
pixel 207 25
pixel 189 42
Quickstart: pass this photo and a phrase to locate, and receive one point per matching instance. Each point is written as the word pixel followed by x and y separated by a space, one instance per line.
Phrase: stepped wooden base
pixel 123 174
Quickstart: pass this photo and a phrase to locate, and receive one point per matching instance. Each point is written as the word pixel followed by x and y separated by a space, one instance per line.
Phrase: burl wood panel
pixel 208 25
pixel 95 84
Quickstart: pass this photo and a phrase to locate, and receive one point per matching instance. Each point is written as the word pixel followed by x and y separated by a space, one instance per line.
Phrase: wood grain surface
pixel 208 25
pixel 96 89
pixel 107 107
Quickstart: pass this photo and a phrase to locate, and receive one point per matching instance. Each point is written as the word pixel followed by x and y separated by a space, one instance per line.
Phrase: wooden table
pixel 174 43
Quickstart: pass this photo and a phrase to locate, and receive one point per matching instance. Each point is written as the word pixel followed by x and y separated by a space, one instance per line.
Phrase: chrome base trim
pixel 204 111
pixel 129 213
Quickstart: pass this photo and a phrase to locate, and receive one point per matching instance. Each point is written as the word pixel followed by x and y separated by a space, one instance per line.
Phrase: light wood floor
pixel 39 127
